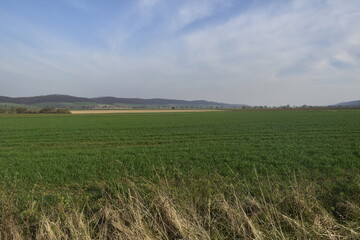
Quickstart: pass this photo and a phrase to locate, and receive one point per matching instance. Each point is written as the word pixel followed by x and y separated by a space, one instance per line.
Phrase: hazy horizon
pixel 90 97
pixel 233 51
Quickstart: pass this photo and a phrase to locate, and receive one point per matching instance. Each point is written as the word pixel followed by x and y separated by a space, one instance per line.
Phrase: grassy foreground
pixel 215 175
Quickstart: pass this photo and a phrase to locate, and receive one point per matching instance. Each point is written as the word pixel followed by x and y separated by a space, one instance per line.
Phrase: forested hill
pixel 107 100
pixel 349 104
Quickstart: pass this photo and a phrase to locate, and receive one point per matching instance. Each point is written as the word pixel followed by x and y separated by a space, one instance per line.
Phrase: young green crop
pixel 61 150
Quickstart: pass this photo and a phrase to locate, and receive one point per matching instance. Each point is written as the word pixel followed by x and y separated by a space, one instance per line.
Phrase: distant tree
pixel 47 110
pixel 63 111
pixel 55 110
pixel 21 110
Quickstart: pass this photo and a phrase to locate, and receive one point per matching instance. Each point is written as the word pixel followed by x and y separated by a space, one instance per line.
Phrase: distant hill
pixel 41 99
pixel 81 102
pixel 348 104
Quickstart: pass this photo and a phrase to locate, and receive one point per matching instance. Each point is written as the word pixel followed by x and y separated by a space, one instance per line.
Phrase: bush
pixel 63 111
pixel 25 110
pixel 47 110
pixel 55 110
pixel 21 110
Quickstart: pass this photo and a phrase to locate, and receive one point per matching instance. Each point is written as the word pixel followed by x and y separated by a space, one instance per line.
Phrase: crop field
pixel 140 111
pixel 183 175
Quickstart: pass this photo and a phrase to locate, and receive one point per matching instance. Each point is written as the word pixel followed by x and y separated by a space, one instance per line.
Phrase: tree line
pixel 26 110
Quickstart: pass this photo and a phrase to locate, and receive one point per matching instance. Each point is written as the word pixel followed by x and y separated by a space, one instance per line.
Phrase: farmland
pixel 72 161
pixel 140 111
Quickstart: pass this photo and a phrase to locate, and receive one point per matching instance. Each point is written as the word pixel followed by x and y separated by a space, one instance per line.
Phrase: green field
pixel 49 158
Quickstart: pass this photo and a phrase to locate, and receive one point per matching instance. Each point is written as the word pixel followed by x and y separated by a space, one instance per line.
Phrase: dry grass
pixel 156 213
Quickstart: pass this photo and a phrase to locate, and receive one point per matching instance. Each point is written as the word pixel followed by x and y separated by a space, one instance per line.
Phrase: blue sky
pixel 237 51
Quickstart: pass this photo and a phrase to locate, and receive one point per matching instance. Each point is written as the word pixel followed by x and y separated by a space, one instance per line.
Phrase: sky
pixel 272 52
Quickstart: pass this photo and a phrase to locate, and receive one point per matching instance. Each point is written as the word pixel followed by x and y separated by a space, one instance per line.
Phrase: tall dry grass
pixel 270 212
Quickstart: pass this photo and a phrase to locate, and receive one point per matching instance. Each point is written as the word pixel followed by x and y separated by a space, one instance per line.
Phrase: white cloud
pixel 295 44
pixel 345 57
pixel 146 6
pixel 192 11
